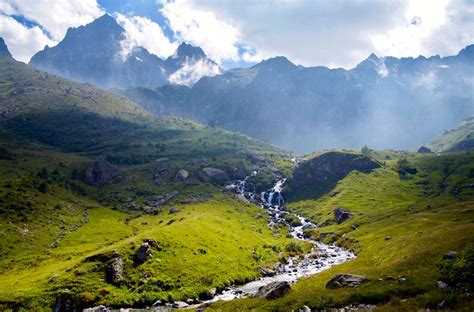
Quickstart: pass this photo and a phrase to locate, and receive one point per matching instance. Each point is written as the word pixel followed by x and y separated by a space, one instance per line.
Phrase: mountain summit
pixel 4 49
pixel 99 53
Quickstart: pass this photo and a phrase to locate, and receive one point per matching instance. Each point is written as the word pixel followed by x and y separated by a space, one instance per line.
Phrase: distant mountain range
pixel 96 53
pixel 384 102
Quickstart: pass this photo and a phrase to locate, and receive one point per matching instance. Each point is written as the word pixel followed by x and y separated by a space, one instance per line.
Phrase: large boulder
pixel 319 175
pixel 114 271
pixel 143 253
pixel 346 280
pixel 273 290
pixel 182 175
pixel 101 172
pixel 341 215
pixel 210 174
pixel 265 271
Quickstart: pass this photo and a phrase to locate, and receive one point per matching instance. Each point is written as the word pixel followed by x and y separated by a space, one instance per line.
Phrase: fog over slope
pixel 383 102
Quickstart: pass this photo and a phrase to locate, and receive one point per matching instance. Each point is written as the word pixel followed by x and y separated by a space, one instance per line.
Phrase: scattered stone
pixel 157 303
pixel 53 278
pixel 143 253
pixel 180 305
pixel 99 308
pixel 173 210
pixel 442 285
pixel 402 279
pixel 114 272
pixel 341 215
pixel 101 172
pixel 182 175
pixel 346 280
pixel 424 150
pixel 304 309
pixel 450 255
pixel 273 290
pixel 388 238
pixel 210 174
pixel 266 271
pixel 170 222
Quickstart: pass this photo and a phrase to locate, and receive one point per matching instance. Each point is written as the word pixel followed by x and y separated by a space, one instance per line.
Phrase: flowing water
pixel 321 256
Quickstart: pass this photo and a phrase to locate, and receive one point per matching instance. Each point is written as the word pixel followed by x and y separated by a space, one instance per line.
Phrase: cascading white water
pixel 320 258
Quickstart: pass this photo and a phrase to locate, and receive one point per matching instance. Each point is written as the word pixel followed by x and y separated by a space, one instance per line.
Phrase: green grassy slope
pixel 51 130
pixel 460 138
pixel 399 228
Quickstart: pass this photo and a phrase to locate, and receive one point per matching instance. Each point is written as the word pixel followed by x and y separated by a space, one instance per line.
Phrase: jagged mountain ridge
pixel 97 53
pixel 383 102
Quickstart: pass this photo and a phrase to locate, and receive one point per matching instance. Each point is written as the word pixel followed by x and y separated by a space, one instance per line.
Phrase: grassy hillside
pixel 460 138
pixel 53 224
pixel 401 226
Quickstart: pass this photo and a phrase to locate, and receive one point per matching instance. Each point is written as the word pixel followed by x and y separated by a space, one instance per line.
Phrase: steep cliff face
pixel 319 175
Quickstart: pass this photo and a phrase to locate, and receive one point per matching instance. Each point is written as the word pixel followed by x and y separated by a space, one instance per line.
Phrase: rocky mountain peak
pixel 277 63
pixel 186 50
pixel 4 49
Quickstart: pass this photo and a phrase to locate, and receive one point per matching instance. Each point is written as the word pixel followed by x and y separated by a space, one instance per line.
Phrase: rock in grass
pixel 101 172
pixel 173 210
pixel 450 255
pixel 210 174
pixel 341 215
pixel 266 271
pixel 99 308
pixel 182 175
pixel 346 280
pixel 180 305
pixel 114 272
pixel 273 290
pixel 143 253
pixel 304 309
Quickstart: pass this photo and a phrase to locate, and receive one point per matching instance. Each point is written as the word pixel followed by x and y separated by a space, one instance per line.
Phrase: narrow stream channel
pixel 321 256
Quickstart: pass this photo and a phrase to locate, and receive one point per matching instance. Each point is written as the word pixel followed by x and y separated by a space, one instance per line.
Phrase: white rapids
pixel 320 258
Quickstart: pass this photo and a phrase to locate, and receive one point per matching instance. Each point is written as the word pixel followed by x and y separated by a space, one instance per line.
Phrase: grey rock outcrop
pixel 115 270
pixel 346 280
pixel 101 172
pixel 273 290
pixel 341 215
pixel 210 174
pixel 266 271
pixel 182 175
pixel 143 253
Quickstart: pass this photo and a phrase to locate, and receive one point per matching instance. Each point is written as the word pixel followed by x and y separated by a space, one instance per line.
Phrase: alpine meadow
pixel 236 155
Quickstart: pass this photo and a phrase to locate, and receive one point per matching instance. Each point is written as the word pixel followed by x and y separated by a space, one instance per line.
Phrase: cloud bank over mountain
pixel 241 33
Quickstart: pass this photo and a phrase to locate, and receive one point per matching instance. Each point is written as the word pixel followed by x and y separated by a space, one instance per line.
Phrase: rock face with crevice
pixel 317 176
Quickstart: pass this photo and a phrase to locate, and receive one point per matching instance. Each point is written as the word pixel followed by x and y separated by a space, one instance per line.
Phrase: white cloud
pixel 141 31
pixel 337 33
pixel 54 15
pixel 22 41
pixel 203 28
pixel 191 72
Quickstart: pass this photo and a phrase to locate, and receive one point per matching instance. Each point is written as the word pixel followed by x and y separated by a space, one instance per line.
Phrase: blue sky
pixel 336 33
